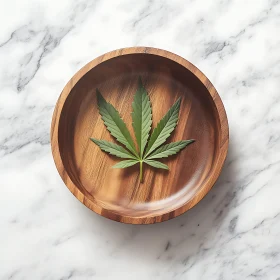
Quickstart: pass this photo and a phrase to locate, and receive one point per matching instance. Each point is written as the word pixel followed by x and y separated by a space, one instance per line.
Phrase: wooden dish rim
pixel 91 203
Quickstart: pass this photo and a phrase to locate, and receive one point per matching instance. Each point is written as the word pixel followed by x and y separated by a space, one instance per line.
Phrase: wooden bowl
pixel 117 193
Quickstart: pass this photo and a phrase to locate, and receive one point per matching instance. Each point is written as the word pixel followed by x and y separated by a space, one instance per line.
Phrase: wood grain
pixel 117 193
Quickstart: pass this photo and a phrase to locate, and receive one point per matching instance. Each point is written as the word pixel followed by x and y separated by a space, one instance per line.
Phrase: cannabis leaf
pixel 142 122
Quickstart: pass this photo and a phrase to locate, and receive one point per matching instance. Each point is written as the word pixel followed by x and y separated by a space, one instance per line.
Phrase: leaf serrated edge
pixel 125 163
pixel 165 149
pixel 142 116
pixel 113 149
pixel 173 115
pixel 112 127
pixel 156 164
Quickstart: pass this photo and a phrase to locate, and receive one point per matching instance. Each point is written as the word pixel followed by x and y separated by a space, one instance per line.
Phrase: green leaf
pixel 114 123
pixel 164 128
pixel 169 149
pixel 141 117
pixel 156 164
pixel 113 149
pixel 125 163
pixel 149 150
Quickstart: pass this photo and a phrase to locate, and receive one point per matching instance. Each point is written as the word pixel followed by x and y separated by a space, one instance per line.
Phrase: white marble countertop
pixel 234 233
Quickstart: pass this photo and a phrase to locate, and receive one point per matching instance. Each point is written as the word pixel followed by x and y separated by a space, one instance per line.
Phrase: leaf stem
pixel 141 171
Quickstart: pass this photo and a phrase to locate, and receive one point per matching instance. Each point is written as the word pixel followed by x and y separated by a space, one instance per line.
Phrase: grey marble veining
pixel 234 233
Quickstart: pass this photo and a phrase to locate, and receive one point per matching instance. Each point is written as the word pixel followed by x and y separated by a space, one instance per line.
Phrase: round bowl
pixel 117 194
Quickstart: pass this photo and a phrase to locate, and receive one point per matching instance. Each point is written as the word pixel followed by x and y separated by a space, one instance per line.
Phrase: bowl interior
pixel 119 190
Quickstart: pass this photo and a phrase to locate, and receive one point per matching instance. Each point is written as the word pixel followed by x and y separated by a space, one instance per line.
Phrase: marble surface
pixel 234 233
